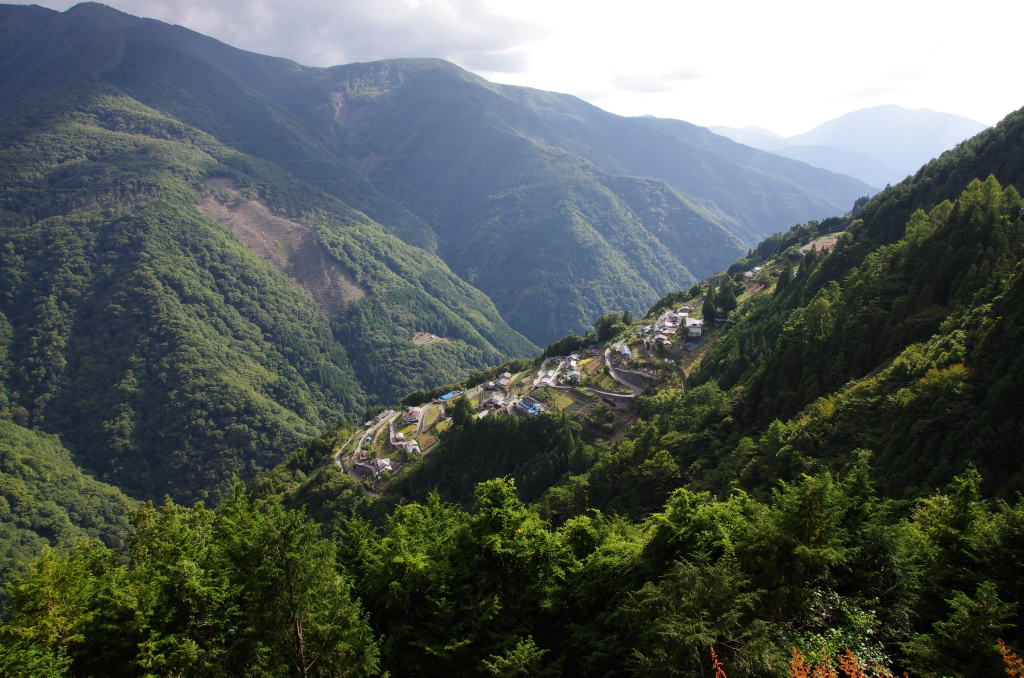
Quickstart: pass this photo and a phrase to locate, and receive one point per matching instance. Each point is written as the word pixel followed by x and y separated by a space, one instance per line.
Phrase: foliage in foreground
pixel 253 588
pixel 248 589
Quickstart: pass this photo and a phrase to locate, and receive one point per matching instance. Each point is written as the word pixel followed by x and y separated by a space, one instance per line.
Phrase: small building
pixel 574 376
pixel 375 466
pixel 399 437
pixel 531 405
pixel 412 416
pixel 626 351
pixel 447 397
pixel 504 378
pixel 381 465
pixel 574 357
pixel 748 274
pixel 758 269
pixel 494 402
pixel 593 351
pixel 694 327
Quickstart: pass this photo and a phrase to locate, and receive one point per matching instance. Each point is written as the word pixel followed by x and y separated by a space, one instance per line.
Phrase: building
pixel 574 377
pixel 593 351
pixel 375 466
pixel 694 327
pixel 504 378
pixel 448 397
pixel 531 405
pixel 626 351
pixel 412 416
pixel 494 402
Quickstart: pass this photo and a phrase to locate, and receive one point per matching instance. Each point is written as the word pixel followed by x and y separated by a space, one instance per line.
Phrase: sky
pixel 786 65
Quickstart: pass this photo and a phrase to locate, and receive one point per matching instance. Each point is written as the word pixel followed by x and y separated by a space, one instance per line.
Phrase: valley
pixel 387 369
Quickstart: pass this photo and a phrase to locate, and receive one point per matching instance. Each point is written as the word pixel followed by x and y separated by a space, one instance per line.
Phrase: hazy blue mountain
pixel 880 145
pixel 752 135
pixel 901 138
pixel 865 167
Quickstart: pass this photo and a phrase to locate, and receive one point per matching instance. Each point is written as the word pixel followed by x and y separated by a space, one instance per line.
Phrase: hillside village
pixel 597 385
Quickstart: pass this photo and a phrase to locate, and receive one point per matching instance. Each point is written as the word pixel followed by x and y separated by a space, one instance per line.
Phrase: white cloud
pixel 324 33
pixel 646 84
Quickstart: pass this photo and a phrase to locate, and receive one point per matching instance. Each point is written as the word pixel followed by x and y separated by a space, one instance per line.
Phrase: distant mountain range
pixel 209 254
pixel 880 145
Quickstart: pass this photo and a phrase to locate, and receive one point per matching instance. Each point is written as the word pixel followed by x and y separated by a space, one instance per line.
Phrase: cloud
pixel 647 84
pixel 328 32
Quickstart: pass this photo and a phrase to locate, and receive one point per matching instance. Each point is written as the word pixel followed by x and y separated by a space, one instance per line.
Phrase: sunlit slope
pixel 168 353
pixel 46 501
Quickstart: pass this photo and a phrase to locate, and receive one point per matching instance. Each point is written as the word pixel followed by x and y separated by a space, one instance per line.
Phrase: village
pixel 597 386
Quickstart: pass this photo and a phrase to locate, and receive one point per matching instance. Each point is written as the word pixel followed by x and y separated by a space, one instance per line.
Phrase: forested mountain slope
pixel 555 209
pixel 837 507
pixel 46 501
pixel 164 349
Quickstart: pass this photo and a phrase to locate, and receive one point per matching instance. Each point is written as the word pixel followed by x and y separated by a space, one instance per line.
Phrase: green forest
pixel 829 486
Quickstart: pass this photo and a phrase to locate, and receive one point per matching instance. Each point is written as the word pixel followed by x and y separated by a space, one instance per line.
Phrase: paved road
pixel 423 417
pixel 372 432
pixel 611 370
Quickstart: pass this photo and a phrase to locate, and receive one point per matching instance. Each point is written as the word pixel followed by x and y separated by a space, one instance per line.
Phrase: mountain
pixel 879 145
pixel 752 135
pixel 869 435
pixel 864 166
pixel 209 255
pixel 180 312
pixel 437 156
pixel 901 138
pixel 47 502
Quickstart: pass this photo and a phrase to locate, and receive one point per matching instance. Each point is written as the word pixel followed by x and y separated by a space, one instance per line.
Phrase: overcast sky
pixel 786 66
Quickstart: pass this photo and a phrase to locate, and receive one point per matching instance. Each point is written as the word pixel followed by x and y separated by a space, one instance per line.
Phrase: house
pixel 694 327
pixel 757 269
pixel 593 351
pixel 494 402
pixel 376 466
pixel 380 465
pixel 448 397
pixel 574 376
pixel 380 417
pixel 646 328
pixel 399 437
pixel 626 351
pixel 531 405
pixel 574 357
pixel 504 378
pixel 412 416
pixel 748 274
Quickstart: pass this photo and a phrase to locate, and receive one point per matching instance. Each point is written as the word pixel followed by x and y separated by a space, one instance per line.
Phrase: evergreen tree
pixel 784 278
pixel 708 310
pixel 727 298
